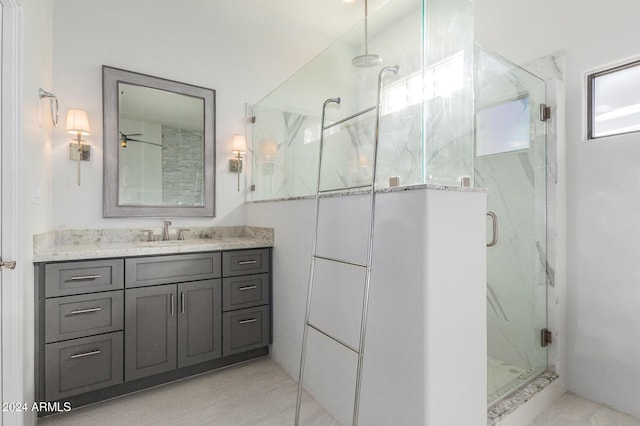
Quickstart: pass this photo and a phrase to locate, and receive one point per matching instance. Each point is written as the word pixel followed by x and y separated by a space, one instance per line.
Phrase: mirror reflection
pixel 159 146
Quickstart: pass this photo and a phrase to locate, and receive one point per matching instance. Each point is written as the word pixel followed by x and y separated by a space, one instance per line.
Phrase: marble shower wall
pixel 348 152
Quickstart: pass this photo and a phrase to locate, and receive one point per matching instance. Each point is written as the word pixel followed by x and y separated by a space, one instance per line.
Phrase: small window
pixel 503 127
pixel 614 101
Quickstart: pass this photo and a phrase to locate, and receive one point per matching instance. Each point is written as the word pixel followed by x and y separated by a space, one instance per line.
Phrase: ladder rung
pixel 335 339
pixel 346 262
pixel 348 188
pixel 357 114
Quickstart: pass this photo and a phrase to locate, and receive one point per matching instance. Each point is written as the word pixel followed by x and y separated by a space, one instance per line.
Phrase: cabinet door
pixel 199 322
pixel 88 276
pixel 245 292
pixel 155 270
pixel 245 329
pixel 244 262
pixel 81 365
pixel 150 331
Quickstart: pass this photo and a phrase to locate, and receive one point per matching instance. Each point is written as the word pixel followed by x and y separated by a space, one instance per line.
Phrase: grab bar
pixel 494 238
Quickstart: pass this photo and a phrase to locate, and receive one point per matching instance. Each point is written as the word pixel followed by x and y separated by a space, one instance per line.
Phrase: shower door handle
pixel 494 228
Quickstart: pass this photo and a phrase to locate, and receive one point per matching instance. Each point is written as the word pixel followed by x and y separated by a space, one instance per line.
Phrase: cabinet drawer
pixel 245 329
pixel 153 270
pixel 245 291
pixel 82 365
pixel 78 316
pixel 63 279
pixel 244 262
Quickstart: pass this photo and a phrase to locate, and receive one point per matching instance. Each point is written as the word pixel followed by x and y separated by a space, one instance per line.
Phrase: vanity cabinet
pixel 112 326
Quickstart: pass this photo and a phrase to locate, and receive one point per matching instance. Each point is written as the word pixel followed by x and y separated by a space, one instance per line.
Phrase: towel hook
pixel 44 94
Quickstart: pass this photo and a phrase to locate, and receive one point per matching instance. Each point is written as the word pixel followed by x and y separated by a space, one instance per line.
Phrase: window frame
pixel 591 78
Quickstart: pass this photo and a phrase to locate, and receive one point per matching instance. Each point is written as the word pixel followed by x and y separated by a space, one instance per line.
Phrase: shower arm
pixel 366 29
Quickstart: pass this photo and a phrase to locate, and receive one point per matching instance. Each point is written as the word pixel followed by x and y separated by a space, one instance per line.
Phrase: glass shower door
pixel 510 162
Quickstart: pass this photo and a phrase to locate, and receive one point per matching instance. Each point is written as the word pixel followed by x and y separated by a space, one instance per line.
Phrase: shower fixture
pixel 368 59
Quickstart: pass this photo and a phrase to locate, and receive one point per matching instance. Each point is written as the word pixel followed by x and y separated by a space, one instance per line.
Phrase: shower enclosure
pixel 455 114
pixel 510 162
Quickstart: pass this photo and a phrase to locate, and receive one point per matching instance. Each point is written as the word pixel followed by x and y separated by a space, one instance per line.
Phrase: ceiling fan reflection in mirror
pixel 126 138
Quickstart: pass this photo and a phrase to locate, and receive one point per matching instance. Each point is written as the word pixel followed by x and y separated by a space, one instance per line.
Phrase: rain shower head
pixel 367 59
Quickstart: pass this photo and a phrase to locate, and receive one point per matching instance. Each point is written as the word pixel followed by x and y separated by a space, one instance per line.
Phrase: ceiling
pixel 331 18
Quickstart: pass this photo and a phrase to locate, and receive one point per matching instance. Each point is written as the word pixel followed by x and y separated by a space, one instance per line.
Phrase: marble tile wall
pixel 182 160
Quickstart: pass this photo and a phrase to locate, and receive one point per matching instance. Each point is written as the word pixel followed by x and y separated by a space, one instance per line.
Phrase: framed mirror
pixel 159 146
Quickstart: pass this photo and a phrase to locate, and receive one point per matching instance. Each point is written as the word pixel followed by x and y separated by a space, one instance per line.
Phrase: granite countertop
pixel 347 192
pixel 82 244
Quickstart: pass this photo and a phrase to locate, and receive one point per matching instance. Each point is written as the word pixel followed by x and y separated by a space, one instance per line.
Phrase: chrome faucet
pixel 165 231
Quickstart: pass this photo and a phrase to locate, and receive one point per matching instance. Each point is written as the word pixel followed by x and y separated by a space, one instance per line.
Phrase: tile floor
pixel 571 410
pixel 259 392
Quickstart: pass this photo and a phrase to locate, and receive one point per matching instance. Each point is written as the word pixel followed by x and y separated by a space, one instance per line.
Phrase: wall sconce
pixel 238 147
pixel 78 124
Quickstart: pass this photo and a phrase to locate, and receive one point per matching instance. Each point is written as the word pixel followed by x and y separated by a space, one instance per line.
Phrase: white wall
pixel 33 186
pixel 236 50
pixel 602 186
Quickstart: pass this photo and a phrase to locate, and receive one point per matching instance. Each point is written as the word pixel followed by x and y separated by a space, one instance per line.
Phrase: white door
pixel 10 301
pixel 1 142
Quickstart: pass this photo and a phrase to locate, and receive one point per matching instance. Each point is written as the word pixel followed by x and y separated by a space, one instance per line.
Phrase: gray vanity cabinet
pixel 107 327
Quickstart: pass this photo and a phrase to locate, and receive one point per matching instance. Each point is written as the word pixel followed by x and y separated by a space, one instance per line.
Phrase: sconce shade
pixel 239 144
pixel 78 122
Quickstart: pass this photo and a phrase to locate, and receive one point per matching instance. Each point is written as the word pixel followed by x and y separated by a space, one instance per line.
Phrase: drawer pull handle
pixel 248 287
pixel 247 321
pixel 86 277
pixel 82 355
pixel 85 311
pixel 247 262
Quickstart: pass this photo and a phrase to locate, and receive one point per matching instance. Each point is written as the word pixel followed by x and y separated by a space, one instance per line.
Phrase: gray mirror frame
pixel 110 207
